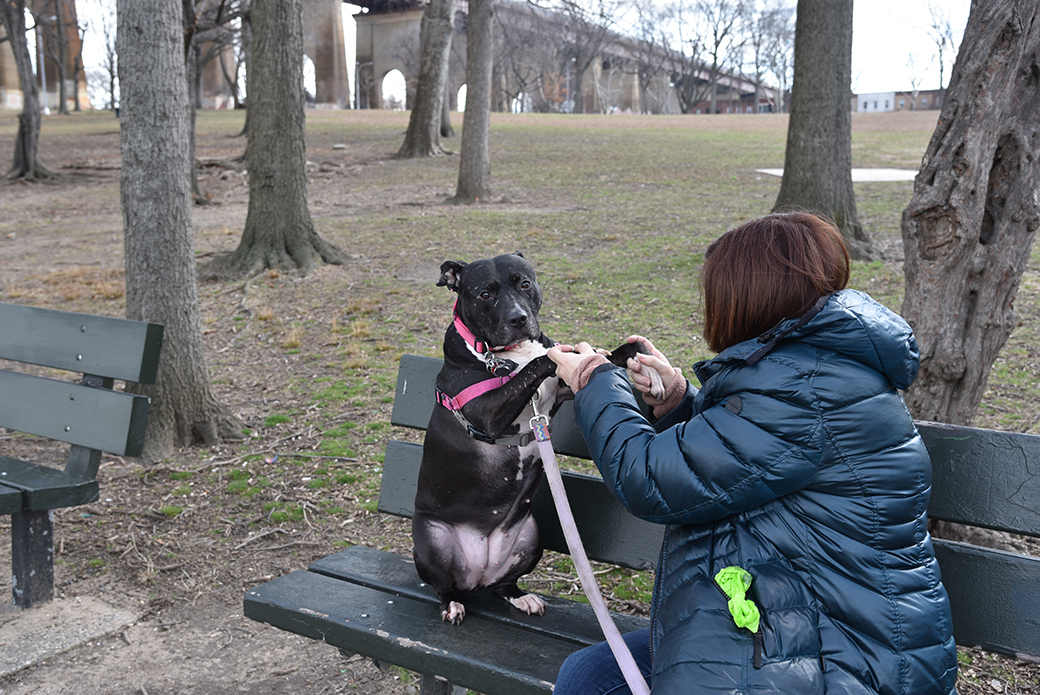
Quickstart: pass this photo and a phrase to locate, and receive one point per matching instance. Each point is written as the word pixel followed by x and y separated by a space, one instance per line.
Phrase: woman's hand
pixel 639 366
pixel 567 359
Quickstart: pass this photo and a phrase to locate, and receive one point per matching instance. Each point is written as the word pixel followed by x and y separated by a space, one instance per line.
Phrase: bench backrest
pixel 980 477
pixel 88 415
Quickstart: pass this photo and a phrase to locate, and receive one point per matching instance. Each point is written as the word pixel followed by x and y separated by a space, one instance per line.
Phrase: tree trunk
pixel 26 165
pixel 63 55
pixel 818 161
pixel 247 60
pixel 578 98
pixel 713 106
pixel 968 230
pixel 446 130
pixel 279 232
pixel 423 138
pixel 157 224
pixel 474 161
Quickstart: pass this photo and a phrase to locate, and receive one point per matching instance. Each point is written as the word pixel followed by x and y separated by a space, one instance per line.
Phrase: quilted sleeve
pixel 729 457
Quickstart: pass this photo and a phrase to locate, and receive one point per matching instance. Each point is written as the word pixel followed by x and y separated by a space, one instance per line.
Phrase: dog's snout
pixel 517 317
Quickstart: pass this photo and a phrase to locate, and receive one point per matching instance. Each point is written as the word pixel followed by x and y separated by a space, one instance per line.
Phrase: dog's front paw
pixel 454 613
pixel 529 603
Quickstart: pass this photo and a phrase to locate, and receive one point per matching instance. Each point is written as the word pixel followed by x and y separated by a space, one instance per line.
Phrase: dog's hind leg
pixel 439 561
pixel 451 610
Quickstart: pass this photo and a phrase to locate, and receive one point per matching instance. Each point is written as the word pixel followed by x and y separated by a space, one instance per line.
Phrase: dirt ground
pixel 61 246
pixel 182 574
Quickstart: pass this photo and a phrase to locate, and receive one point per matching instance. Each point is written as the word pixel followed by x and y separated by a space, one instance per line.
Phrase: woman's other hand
pixel 655 360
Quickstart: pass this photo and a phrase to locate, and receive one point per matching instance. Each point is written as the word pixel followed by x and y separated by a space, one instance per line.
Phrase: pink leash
pixel 635 680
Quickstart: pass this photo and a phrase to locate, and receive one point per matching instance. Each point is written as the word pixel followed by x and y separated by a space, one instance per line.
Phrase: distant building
pixel 874 102
pixel 877 102
pixel 925 100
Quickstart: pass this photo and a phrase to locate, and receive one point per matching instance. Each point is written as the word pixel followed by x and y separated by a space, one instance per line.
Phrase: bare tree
pixel 780 52
pixel 101 22
pixel 609 82
pixel 158 233
pixel 52 19
pixel 970 225
pixel 279 232
pixel 204 21
pixel 650 52
pixel 518 56
pixel 766 27
pixel 423 138
pixel 588 28
pixel 818 159
pixel 940 31
pixel 474 160
pixel 26 165
pixel 913 76
pixel 689 77
pixel 720 22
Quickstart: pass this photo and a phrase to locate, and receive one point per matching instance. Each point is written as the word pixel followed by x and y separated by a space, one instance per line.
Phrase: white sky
pixel 885 33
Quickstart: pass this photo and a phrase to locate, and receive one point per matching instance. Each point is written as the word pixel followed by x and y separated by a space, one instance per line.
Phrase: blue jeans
pixel 594 671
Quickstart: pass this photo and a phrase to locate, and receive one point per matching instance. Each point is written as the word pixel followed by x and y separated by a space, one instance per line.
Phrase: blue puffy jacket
pixel 798 461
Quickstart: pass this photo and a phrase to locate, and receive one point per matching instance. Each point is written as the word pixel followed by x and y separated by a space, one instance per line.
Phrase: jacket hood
pixel 848 322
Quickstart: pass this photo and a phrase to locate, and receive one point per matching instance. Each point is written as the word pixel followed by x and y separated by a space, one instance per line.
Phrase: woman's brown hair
pixel 768 270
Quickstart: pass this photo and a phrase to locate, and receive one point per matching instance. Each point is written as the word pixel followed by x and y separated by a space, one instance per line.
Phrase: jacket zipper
pixel 658 574
pixel 756 656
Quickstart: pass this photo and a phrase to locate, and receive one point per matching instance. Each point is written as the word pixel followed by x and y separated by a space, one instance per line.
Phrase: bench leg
pixel 431 685
pixel 32 557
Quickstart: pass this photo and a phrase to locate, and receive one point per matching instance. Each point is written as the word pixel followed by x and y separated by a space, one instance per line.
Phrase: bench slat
pixel 385 571
pixel 994 595
pixel 610 534
pixel 111 421
pixel 108 347
pixel 984 477
pixel 10 499
pixel 416 391
pixel 43 488
pixel 399 630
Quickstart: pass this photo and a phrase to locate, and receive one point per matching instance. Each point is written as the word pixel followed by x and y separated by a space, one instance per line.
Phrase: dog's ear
pixel 451 271
pixel 517 253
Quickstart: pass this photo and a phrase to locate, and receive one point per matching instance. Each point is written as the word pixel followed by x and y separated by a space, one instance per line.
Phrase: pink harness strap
pixel 470 392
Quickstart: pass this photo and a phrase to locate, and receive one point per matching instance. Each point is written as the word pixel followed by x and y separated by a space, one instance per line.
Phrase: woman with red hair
pixel 793 484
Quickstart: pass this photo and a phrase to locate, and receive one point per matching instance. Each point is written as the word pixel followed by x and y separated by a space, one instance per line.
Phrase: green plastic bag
pixel 734 582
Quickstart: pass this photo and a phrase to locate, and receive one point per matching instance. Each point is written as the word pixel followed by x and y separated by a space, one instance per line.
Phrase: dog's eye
pixel 485 295
pixel 525 284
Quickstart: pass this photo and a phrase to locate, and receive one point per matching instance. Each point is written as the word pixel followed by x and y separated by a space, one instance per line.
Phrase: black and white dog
pixel 472 527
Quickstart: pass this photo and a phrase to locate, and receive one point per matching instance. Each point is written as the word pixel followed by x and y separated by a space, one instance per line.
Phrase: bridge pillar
pixel 323 43
pixel 386 42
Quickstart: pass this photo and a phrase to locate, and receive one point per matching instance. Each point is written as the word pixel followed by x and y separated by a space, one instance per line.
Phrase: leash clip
pixel 539 423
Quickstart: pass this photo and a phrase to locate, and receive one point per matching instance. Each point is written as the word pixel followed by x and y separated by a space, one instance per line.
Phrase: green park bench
pixel 88 415
pixel 372 602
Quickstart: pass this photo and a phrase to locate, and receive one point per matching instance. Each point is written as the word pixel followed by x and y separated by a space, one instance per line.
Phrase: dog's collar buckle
pixel 493 363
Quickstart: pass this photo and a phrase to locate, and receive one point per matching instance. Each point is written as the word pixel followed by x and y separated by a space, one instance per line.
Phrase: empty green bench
pixel 89 415
pixel 372 602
